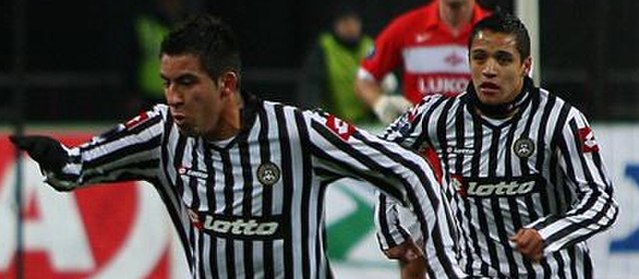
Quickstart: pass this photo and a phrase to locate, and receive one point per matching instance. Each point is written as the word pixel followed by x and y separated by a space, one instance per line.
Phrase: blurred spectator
pixel 429 44
pixel 150 27
pixel 330 67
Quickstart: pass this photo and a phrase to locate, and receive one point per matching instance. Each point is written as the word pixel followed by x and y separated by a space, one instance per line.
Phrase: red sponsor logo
pixel 88 233
pixel 588 142
pixel 134 122
pixel 340 127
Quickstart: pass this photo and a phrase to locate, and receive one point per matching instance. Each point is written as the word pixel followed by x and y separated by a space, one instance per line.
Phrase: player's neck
pixel 230 122
pixel 456 16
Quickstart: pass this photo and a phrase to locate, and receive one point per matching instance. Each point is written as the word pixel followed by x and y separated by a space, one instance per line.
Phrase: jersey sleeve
pixel 594 208
pixel 340 149
pixel 389 231
pixel 129 151
pixel 386 54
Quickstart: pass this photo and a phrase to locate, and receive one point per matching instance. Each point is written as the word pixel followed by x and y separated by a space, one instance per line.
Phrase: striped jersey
pixel 540 168
pixel 253 206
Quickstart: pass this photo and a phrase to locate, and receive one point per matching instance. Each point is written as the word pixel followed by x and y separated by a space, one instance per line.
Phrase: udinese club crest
pixel 524 147
pixel 268 173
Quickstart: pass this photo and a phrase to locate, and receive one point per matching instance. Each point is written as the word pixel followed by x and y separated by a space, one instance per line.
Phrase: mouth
pixel 489 88
pixel 179 118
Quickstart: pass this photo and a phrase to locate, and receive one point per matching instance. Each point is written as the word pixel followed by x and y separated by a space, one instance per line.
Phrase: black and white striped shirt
pixel 540 168
pixel 253 206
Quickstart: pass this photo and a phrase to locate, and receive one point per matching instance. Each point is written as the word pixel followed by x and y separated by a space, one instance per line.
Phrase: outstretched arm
pixel 129 151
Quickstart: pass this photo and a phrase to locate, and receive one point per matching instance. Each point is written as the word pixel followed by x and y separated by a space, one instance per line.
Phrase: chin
pixel 187 131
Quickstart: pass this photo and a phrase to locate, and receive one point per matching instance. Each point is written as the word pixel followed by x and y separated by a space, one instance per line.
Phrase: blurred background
pixel 69 68
pixel 78 55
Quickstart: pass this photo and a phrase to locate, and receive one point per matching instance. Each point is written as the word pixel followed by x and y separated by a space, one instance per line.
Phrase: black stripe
pixel 475 168
pixel 193 182
pixel 210 197
pixel 560 264
pixel 493 161
pixel 229 183
pixel 178 156
pixel 306 196
pixel 427 187
pixel 320 251
pixel 572 255
pixel 561 192
pixel 461 201
pixel 128 172
pixel 200 255
pixel 541 148
pixel 166 191
pixel 587 263
pixel 267 192
pixel 122 153
pixel 120 131
pixel 383 219
pixel 247 176
pixel 373 177
pixel 525 170
pixel 287 184
pixel 424 123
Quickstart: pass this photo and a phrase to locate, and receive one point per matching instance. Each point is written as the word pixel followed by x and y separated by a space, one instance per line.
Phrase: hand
pixel 529 243
pixel 389 107
pixel 415 269
pixel 48 152
pixel 407 251
pixel 411 259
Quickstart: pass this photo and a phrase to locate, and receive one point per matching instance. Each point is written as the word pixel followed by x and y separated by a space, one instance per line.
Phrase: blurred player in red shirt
pixel 428 45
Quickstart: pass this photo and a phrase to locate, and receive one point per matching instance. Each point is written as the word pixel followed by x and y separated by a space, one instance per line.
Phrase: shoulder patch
pixel 340 127
pixel 587 140
pixel 134 122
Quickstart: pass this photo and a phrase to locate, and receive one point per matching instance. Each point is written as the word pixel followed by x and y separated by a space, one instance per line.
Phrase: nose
pixel 173 96
pixel 490 68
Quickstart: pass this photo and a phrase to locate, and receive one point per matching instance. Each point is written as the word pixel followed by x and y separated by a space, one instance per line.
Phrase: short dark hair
pixel 208 38
pixel 505 23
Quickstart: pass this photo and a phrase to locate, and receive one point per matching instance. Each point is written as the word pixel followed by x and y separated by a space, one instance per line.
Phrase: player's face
pixel 349 28
pixel 496 67
pixel 194 99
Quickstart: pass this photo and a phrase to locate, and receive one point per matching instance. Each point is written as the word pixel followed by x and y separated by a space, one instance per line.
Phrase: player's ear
pixel 527 65
pixel 228 82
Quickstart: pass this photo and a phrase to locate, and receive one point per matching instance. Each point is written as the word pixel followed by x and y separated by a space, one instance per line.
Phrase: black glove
pixel 46 151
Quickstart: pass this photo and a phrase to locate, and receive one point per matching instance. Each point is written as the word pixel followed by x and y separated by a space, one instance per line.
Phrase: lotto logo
pixel 500 189
pixel 242 228
pixel 340 127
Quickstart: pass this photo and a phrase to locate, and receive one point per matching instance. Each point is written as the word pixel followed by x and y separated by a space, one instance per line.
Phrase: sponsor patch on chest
pixel 496 187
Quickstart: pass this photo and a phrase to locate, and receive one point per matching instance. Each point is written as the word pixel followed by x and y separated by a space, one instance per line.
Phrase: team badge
pixel 524 147
pixel 268 174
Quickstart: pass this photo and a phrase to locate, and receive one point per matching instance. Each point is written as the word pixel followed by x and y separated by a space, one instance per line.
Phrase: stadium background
pixel 61 72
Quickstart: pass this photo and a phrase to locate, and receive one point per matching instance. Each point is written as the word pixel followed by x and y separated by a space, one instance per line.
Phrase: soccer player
pixel 528 182
pixel 244 179
pixel 428 45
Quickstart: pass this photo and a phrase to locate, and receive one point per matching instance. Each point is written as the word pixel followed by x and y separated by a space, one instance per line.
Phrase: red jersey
pixel 431 58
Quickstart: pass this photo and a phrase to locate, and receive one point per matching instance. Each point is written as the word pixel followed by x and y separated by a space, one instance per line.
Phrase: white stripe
pixel 296 195
pixel 221 258
pixel 426 60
